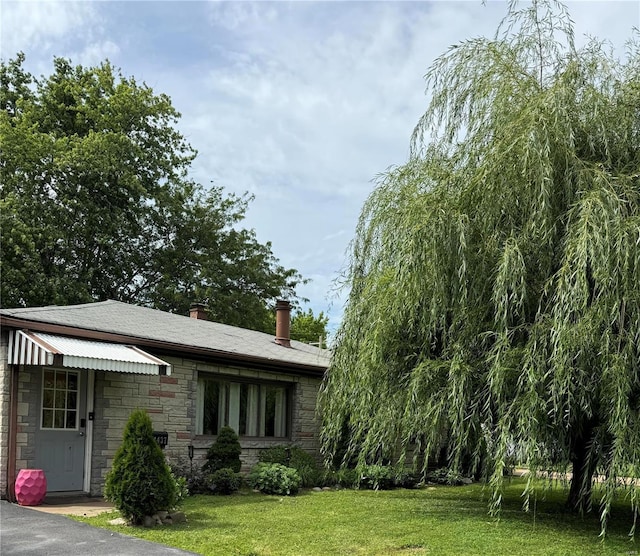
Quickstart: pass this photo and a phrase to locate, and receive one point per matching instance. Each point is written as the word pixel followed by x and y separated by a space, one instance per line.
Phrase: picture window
pixel 251 409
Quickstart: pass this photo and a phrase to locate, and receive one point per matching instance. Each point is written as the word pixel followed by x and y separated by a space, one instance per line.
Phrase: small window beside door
pixel 60 398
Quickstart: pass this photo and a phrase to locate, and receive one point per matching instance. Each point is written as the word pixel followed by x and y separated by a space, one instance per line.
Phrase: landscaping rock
pixel 466 481
pixel 160 518
pixel 316 489
pixel 326 488
pixel 118 521
pixel 177 517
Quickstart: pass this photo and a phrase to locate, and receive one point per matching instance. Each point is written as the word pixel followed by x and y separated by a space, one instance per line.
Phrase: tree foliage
pixel 307 327
pixel 97 203
pixel 495 277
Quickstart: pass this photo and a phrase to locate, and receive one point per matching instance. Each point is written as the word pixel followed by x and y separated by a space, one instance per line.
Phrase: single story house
pixel 70 376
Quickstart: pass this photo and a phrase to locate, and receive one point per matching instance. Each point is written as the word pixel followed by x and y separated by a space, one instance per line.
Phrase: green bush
pixel 224 481
pixel 444 476
pixel 293 456
pixel 326 477
pixel 182 489
pixel 274 478
pixel 224 452
pixel 347 477
pixel 405 479
pixel 376 477
pixel 344 477
pixel 140 482
pixel 276 454
pixel 195 478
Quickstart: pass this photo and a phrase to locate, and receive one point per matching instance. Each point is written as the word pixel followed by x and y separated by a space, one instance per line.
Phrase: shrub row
pixel 141 483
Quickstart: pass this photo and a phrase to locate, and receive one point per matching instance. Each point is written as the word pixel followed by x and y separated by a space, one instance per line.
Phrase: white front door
pixel 60 437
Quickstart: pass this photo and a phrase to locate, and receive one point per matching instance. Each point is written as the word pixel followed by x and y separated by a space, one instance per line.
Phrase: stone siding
pixel 5 393
pixel 170 401
pixel 29 385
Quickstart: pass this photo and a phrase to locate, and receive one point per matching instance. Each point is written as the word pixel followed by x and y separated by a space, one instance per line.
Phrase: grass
pixel 434 521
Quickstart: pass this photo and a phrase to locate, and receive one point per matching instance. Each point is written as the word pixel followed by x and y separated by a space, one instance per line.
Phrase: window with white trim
pixel 60 399
pixel 251 409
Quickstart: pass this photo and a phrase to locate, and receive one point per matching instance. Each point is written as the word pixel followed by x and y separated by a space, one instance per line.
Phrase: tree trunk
pixel 583 469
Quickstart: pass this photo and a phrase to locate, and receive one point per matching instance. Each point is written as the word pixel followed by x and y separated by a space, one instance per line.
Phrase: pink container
pixel 31 487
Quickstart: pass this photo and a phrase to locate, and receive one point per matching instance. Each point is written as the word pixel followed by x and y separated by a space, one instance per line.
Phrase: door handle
pixel 81 433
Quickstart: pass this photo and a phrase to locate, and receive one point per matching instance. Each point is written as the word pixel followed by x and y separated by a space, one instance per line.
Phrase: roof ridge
pixel 60 307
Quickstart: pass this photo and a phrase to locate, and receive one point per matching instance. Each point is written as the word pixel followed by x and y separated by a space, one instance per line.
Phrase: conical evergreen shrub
pixel 224 452
pixel 140 482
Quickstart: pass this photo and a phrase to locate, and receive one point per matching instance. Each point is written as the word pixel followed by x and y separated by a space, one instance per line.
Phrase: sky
pixel 300 103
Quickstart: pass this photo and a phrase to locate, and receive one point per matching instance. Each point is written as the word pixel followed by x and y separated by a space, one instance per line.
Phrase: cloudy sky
pixel 300 103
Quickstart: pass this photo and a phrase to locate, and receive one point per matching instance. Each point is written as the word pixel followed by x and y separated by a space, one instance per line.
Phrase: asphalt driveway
pixel 29 532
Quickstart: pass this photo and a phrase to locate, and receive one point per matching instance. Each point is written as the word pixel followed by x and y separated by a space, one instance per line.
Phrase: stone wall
pixel 5 392
pixel 29 384
pixel 170 401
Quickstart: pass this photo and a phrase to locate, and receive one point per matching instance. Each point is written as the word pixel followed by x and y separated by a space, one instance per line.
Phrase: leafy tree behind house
pixel 309 328
pixel 305 326
pixel 97 204
pixel 495 277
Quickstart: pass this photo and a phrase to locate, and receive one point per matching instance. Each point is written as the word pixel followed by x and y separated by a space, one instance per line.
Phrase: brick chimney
pixel 198 311
pixel 283 323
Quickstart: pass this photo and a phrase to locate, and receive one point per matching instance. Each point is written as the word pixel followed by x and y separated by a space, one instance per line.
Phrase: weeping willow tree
pixel 495 277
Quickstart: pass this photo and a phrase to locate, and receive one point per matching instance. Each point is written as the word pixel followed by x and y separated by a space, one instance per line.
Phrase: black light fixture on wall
pixel 190 447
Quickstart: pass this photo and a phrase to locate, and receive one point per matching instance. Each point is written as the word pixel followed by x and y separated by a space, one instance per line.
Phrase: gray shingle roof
pixel 144 323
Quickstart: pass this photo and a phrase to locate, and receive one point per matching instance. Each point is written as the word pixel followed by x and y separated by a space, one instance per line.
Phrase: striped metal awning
pixel 37 348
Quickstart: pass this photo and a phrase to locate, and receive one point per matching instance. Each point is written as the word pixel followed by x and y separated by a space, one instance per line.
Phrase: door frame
pixel 88 442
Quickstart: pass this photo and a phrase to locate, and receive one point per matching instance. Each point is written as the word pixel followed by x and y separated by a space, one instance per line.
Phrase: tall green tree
pixel 495 277
pixel 97 203
pixel 307 327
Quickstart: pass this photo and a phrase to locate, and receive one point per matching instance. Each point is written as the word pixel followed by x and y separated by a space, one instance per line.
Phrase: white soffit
pixel 37 348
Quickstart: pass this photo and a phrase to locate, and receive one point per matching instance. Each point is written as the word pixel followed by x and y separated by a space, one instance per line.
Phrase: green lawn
pixel 433 520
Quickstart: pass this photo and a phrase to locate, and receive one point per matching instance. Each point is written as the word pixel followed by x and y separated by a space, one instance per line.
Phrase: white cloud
pixel 301 103
pixel 241 16
pixel 44 29
pixel 312 101
pixel 95 53
pixel 41 26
